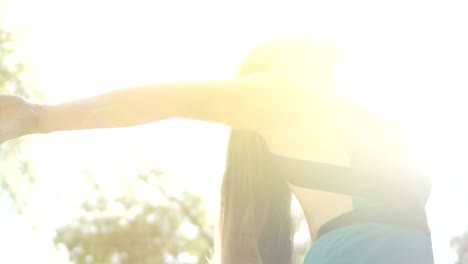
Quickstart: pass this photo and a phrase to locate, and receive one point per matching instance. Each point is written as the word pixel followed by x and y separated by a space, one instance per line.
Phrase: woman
pixel 358 183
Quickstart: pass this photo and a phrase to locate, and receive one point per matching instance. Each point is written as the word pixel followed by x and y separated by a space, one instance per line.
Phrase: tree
pixel 15 170
pixel 460 244
pixel 158 227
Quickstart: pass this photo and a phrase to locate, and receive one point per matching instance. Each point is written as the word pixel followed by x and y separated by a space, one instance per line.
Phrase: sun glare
pixel 396 68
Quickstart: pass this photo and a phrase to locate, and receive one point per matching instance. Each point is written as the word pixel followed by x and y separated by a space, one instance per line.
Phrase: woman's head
pixel 313 58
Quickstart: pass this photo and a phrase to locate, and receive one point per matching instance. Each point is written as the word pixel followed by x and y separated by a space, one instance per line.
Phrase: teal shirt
pixel 372 243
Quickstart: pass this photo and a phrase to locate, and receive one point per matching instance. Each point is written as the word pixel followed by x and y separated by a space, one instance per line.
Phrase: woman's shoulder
pixel 340 131
pixel 310 134
pixel 328 129
pixel 373 138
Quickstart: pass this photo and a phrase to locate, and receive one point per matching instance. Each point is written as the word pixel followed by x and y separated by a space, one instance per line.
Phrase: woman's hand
pixel 18 117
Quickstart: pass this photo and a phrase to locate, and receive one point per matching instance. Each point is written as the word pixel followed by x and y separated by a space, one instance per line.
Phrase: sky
pixel 404 60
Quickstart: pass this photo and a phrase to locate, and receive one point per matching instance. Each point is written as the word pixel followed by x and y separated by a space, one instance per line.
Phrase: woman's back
pixel 343 134
pixel 348 136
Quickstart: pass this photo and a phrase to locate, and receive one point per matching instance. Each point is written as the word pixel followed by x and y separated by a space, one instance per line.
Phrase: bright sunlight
pixel 395 58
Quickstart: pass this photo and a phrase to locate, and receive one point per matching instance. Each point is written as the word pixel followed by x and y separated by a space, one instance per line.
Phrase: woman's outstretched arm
pixel 253 102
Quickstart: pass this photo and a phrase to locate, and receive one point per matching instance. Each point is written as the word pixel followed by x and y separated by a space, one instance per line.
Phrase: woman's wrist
pixel 42 120
pixel 60 117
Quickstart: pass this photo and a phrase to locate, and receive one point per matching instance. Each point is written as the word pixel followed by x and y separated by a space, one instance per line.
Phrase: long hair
pixel 255 218
pixel 256 224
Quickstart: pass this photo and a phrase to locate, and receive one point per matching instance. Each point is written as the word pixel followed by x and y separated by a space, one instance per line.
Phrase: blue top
pixel 372 243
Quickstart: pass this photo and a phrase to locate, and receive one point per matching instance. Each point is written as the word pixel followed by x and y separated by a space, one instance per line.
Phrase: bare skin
pixel 18 117
pixel 313 136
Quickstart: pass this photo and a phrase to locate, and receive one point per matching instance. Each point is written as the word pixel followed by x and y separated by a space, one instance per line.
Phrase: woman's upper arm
pixel 253 102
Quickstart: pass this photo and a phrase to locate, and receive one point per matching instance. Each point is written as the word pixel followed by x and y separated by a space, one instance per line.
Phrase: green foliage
pixel 14 77
pixel 15 170
pixel 135 229
pixel 460 244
